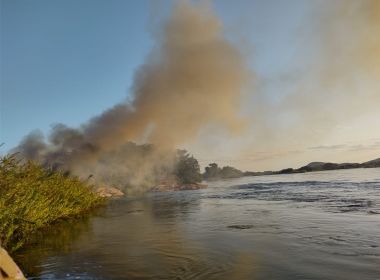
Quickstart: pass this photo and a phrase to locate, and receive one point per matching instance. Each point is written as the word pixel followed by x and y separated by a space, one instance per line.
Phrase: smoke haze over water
pixel 321 105
pixel 193 77
pixel 328 94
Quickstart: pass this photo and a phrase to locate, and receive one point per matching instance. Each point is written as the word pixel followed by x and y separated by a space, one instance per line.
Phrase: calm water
pixel 323 225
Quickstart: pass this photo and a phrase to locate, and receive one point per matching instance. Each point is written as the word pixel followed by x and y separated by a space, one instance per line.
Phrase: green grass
pixel 32 198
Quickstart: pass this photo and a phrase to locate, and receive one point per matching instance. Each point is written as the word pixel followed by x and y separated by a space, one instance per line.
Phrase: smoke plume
pixel 328 94
pixel 192 77
pixel 341 84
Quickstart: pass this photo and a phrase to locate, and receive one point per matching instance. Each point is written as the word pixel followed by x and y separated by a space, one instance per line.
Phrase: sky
pixel 67 61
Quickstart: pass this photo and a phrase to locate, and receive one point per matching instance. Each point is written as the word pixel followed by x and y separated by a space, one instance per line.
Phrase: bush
pixel 213 172
pixel 32 197
pixel 187 168
pixel 230 172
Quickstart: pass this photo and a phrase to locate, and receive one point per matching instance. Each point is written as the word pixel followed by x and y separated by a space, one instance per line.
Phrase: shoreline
pixel 33 198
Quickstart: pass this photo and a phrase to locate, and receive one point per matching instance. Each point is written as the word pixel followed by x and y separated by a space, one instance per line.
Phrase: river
pixel 320 225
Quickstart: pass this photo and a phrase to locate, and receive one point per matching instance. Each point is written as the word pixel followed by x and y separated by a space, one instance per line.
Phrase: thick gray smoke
pixel 193 77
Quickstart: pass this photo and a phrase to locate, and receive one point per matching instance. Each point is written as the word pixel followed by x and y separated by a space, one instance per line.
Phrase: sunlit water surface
pixel 322 225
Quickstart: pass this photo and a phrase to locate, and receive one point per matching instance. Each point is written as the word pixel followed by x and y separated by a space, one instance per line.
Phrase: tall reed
pixel 32 198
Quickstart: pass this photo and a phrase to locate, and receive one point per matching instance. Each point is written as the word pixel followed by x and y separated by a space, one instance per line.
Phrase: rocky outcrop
pixel 109 192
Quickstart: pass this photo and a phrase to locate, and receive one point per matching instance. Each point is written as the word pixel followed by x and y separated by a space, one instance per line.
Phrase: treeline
pixel 214 172
pixel 188 170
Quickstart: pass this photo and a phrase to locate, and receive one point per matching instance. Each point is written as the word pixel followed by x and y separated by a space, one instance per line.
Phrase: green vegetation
pixel 187 168
pixel 231 172
pixel 213 172
pixel 32 198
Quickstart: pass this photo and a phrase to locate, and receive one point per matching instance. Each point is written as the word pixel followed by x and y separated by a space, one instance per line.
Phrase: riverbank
pixel 32 198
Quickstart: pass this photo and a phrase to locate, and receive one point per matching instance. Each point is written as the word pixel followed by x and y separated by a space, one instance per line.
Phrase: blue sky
pixel 65 61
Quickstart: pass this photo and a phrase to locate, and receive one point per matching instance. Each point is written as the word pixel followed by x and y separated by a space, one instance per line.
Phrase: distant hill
pixel 371 163
pixel 213 172
pixel 319 166
pixel 316 164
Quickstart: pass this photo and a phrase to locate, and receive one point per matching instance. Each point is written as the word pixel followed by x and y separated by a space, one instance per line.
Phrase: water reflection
pixel 56 239
pixel 219 233
pixel 136 239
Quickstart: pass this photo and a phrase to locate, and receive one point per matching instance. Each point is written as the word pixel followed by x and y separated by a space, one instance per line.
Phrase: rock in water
pixel 109 192
pixel 177 187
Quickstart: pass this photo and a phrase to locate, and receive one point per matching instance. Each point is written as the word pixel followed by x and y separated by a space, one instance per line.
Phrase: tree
pixel 187 169
pixel 212 171
pixel 231 172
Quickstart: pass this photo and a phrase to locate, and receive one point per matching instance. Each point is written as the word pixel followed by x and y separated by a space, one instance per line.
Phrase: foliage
pixel 213 171
pixel 286 171
pixel 230 172
pixel 187 168
pixel 32 197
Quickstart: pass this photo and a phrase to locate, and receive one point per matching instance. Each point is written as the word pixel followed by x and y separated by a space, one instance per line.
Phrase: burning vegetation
pixel 193 77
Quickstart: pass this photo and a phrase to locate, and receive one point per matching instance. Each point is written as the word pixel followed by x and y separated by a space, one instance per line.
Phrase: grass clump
pixel 32 198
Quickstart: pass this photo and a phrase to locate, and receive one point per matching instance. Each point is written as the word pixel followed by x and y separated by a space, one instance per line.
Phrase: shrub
pixel 213 172
pixel 230 172
pixel 187 168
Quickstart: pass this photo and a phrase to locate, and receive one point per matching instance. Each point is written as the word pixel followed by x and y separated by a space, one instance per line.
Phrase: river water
pixel 321 225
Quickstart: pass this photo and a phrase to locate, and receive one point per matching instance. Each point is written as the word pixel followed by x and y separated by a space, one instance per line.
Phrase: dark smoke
pixel 193 77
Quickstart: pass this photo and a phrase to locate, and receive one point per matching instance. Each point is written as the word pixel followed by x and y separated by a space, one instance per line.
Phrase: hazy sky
pixel 64 61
